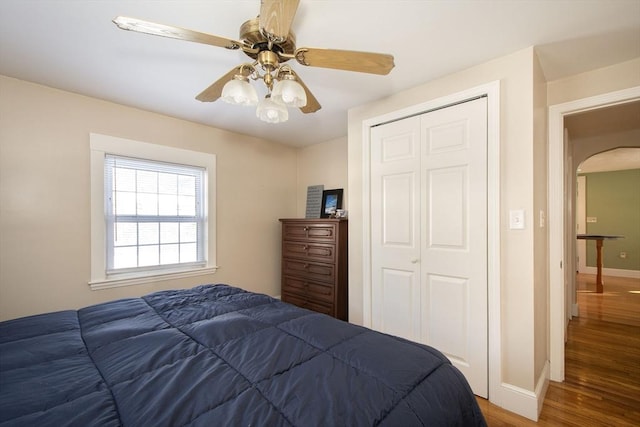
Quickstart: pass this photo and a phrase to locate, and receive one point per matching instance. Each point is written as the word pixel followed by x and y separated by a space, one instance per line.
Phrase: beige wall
pixel 597 82
pixel 45 204
pixel 322 164
pixel 518 329
pixel 539 222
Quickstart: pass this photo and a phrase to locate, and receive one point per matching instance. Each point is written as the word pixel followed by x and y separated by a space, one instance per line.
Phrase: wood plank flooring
pixel 602 363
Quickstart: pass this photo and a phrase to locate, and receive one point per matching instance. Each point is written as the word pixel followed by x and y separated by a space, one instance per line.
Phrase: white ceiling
pixel 72 45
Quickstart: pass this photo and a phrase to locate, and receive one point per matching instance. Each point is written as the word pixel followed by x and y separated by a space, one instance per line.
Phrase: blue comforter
pixel 217 355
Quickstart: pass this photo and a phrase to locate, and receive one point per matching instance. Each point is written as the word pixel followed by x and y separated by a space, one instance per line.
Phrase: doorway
pixel 561 194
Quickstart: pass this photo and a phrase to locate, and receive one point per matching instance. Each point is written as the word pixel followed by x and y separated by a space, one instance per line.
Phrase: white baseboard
pixel 524 402
pixel 520 401
pixel 575 310
pixel 615 272
pixel 542 386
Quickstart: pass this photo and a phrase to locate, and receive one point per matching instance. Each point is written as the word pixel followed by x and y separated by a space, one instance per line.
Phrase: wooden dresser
pixel 314 265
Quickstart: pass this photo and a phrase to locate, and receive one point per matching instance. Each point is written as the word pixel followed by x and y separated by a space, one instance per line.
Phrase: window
pixel 152 212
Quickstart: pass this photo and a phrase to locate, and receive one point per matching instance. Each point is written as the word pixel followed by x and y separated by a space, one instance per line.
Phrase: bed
pixel 219 355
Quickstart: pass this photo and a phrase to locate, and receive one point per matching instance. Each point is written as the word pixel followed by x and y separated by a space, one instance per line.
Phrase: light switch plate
pixel 516 219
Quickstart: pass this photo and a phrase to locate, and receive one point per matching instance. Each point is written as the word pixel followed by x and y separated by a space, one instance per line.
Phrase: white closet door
pixel 429 234
pixel 395 217
pixel 454 239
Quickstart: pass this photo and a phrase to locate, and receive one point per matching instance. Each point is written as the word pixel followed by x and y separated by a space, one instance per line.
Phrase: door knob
pixel 414 260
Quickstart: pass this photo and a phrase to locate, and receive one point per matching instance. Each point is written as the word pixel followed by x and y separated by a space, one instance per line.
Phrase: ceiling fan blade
pixel 276 17
pixel 138 25
pixel 312 103
pixel 214 91
pixel 349 60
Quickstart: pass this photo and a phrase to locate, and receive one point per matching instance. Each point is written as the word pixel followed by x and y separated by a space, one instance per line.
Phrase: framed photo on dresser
pixel 331 202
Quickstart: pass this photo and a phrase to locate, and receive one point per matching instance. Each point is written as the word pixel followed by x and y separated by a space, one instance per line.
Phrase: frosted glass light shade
pixel 289 92
pixel 272 111
pixel 238 91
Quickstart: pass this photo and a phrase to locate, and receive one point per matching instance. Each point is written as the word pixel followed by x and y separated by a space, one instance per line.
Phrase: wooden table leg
pixel 599 287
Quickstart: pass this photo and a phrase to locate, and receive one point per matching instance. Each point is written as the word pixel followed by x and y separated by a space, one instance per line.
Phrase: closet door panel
pixel 448 193
pixel 395 228
pixel 454 237
pixel 449 307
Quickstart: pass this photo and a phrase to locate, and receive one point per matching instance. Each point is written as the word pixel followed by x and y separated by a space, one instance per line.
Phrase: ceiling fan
pixel 269 42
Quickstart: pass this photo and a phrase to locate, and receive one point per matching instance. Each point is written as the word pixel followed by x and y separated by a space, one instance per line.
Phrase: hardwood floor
pixel 602 363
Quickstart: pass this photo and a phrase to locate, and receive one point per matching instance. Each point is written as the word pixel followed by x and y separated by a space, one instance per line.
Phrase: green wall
pixel 614 199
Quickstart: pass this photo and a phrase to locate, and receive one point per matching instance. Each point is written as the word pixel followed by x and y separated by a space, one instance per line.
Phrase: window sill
pixel 97 285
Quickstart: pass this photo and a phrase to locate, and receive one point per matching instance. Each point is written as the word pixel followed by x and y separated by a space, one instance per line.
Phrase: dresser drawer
pixel 309 232
pixel 309 251
pixel 308 304
pixel 309 270
pixel 314 291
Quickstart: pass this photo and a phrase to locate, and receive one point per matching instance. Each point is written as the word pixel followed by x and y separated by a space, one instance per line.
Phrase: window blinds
pixel 155 214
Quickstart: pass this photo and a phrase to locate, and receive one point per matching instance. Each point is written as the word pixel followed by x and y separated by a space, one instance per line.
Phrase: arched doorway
pixel 607 169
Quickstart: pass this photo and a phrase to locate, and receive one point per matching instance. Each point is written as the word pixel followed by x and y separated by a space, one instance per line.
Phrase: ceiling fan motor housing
pixel 251 34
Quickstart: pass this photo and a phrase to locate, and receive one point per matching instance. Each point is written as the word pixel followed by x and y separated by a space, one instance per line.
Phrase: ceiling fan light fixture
pixel 288 91
pixel 272 111
pixel 238 91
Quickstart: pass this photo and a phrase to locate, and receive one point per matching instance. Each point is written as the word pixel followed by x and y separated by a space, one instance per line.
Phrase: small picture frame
pixel 331 202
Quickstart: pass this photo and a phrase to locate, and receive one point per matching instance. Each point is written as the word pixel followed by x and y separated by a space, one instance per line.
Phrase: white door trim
pixel 492 91
pixel 558 236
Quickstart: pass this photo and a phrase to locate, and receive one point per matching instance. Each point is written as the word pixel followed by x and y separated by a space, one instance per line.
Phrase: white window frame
pixel 100 145
pixel 115 218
